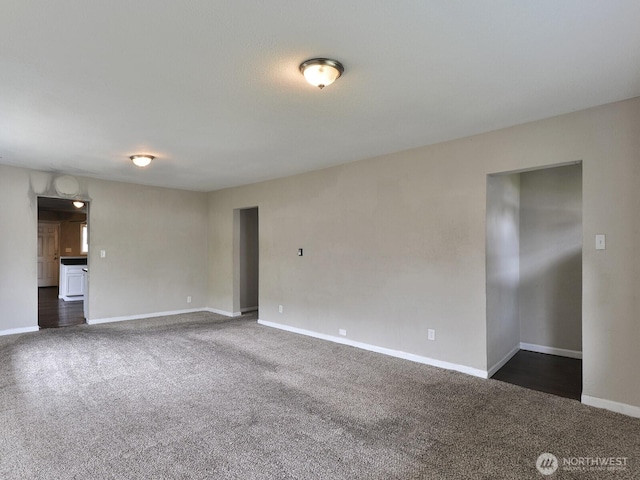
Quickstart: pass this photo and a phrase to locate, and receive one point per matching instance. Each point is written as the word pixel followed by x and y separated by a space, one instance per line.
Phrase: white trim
pixel 75 298
pixel 249 309
pixel 502 362
pixel 97 321
pixel 623 408
pixel 561 352
pixel 14 331
pixel 222 312
pixel 385 351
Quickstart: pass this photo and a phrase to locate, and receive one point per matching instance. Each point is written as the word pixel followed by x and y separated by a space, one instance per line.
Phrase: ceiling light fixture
pixel 321 72
pixel 141 160
pixel 78 204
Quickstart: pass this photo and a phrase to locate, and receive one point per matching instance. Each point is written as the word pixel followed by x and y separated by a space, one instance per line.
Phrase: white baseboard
pixel 222 312
pixel 561 352
pixel 502 362
pixel 385 351
pixel 125 318
pixel 14 331
pixel 625 409
pixel 75 298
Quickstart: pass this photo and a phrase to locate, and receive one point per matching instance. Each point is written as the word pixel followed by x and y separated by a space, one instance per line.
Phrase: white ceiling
pixel 212 88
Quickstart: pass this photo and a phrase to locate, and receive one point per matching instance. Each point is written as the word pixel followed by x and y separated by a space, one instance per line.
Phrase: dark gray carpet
pixel 201 396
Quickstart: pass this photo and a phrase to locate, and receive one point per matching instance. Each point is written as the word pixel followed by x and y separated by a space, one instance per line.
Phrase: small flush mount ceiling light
pixel 141 160
pixel 321 72
pixel 78 204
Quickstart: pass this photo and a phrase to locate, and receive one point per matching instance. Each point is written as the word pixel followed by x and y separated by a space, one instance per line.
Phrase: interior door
pixel 48 264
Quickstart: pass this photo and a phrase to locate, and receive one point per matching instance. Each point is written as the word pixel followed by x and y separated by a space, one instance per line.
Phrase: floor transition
pixel 54 312
pixel 560 376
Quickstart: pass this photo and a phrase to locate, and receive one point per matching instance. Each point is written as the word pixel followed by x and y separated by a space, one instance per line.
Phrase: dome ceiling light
pixel 141 160
pixel 321 72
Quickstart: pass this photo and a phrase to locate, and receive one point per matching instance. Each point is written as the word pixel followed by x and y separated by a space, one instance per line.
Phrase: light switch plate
pixel 600 242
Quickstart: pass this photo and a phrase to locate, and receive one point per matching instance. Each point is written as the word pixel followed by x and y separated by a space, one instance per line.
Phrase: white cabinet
pixel 74 281
pixel 71 282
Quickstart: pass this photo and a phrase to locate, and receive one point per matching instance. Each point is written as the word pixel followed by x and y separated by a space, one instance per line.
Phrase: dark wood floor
pixel 54 312
pixel 546 373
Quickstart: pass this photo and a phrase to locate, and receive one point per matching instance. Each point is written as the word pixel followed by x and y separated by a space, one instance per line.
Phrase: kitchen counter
pixel 73 260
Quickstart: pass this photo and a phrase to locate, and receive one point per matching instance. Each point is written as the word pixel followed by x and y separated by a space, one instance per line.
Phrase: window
pixel 84 241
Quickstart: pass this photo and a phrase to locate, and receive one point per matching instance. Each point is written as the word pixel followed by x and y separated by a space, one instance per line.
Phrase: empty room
pixel 339 240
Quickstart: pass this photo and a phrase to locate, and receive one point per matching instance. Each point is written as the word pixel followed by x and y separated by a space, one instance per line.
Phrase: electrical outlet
pixel 103 253
pixel 431 334
pixel 342 332
pixel 189 299
pixel 280 308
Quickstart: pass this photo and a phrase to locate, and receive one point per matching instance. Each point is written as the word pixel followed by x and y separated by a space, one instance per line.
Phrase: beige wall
pixel 550 293
pixel 503 266
pixel 383 246
pixel 155 239
pixel 18 249
pixel 396 244
pixel 156 249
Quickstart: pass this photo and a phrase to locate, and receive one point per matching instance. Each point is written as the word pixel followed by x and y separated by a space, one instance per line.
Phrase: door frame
pixel 87 201
pixel 238 233
pixel 490 329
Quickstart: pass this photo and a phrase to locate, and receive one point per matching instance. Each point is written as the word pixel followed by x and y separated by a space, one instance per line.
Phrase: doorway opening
pixel 534 278
pixel 62 262
pixel 246 262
